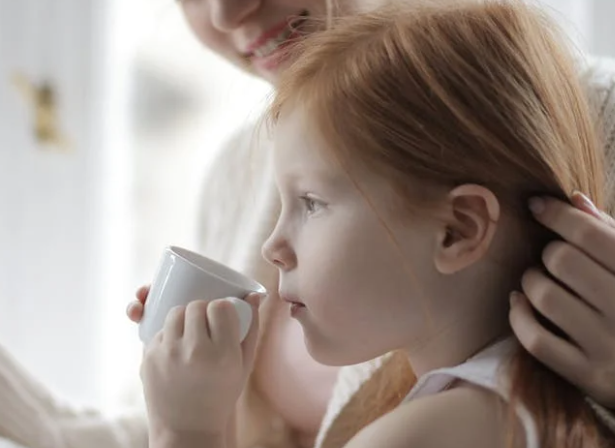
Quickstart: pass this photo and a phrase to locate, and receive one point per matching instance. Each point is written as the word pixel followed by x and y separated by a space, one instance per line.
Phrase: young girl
pixel 407 145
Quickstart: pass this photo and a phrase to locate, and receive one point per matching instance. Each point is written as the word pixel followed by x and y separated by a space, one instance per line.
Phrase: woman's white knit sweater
pixel 240 207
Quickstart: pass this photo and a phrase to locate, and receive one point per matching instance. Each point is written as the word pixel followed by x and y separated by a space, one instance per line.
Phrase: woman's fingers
pixel 580 322
pixel 595 237
pixel 590 281
pixel 558 354
pixel 582 202
pixel 579 297
pixel 585 260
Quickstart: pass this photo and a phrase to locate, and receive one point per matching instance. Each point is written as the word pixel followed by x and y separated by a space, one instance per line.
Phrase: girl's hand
pixel 195 369
pixel 134 311
pixel 583 305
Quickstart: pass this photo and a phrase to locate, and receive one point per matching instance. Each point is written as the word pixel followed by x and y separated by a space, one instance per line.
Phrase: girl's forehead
pixel 299 151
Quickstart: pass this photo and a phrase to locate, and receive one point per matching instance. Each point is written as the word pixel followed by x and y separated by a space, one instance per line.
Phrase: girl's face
pixel 348 284
pixel 251 33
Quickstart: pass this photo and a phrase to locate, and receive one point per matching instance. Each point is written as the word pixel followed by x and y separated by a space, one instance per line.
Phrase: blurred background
pixel 110 112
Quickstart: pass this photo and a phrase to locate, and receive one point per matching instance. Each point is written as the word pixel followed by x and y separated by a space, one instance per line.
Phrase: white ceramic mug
pixel 184 276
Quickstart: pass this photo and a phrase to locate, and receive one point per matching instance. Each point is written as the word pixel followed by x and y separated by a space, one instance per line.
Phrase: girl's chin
pixel 323 352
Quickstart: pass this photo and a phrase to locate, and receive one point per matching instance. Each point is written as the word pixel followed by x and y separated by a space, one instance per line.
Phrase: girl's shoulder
pixel 466 416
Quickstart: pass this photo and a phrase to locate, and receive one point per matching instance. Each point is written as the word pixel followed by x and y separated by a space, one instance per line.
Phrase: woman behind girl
pixel 407 145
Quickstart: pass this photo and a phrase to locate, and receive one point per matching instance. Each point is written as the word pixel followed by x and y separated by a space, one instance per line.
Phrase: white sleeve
pixel 32 416
pixel 599 77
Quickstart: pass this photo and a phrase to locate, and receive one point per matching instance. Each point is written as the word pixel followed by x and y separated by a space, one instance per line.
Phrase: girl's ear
pixel 472 220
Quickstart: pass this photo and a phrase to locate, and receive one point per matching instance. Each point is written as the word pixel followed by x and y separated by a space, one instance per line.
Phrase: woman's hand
pixel 584 309
pixel 195 369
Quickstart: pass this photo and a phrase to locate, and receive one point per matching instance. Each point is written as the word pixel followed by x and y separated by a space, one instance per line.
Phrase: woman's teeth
pixel 273 44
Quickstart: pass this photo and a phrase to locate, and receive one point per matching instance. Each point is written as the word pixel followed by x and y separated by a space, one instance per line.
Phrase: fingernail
pixel 514 298
pixel 586 201
pixel 537 205
pixel 258 297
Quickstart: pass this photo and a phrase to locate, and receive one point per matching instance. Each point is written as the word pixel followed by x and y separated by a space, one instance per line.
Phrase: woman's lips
pixel 267 42
pixel 267 52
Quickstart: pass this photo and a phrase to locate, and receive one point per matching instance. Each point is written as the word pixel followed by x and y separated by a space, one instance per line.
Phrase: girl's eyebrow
pixel 322 176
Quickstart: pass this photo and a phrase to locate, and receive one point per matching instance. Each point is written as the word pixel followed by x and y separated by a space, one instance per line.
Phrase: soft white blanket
pixel 6 443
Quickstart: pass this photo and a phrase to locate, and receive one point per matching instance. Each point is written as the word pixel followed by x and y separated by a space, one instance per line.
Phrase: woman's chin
pixel 271 71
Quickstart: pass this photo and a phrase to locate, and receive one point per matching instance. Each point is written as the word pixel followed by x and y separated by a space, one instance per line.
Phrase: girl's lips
pixel 296 308
pixel 293 300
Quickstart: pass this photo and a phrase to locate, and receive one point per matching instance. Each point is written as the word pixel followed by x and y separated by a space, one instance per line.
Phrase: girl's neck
pixel 479 324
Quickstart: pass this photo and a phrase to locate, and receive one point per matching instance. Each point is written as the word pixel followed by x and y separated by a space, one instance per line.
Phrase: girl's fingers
pixel 197 329
pixel 142 293
pixel 218 323
pixel 134 311
pixel 174 324
pixel 224 324
pixel 249 343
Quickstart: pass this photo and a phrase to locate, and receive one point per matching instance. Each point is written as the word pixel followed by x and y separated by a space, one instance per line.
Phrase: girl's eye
pixel 311 205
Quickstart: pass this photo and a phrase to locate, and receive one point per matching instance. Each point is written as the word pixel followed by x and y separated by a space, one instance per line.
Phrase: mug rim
pixel 186 255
